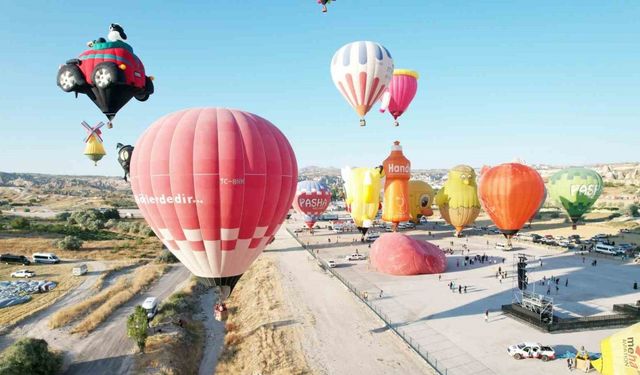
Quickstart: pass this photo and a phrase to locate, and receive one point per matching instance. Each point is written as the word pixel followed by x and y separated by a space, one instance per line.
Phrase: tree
pixel 633 210
pixel 69 243
pixel 137 327
pixel 30 356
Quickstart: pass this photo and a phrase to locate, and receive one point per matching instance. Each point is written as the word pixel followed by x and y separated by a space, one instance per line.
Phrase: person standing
pixel 486 316
pixel 566 282
pixel 459 289
pixel 465 289
pixel 380 294
pixel 439 277
pixel 557 289
pixel 569 364
pixel 549 290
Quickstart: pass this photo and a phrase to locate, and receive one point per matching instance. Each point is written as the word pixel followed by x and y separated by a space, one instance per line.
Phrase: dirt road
pixel 341 336
pixel 108 350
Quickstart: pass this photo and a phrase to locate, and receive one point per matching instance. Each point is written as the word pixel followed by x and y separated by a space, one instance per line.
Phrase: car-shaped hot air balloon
pixel 109 73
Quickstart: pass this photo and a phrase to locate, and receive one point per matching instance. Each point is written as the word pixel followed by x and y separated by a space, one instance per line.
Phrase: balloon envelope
pixel 214 185
pixel 458 199
pixel 362 191
pixel 576 190
pixel 620 353
pixel 311 200
pixel 510 194
pixel 420 200
pixel 399 254
pixel 361 71
pixel 402 90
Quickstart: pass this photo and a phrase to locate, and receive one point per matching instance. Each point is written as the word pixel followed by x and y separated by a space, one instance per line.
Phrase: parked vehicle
pixel 355 256
pixel 601 235
pixel 14 259
pixel 372 237
pixel 23 274
pixel 79 270
pixel 406 225
pixel 531 350
pixel 605 249
pixel 503 246
pixel 49 258
pixel 637 260
pixel 331 263
pixel 151 306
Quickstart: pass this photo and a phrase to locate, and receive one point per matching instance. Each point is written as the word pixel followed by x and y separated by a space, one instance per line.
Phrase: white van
pixel 79 270
pixel 151 306
pixel 605 249
pixel 49 258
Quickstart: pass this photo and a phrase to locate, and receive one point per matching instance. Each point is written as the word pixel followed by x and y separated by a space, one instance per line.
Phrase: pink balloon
pixel 399 254
pixel 402 90
pixel 215 185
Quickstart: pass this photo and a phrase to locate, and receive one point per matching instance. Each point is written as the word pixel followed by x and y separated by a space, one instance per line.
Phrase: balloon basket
pixel 363 122
pixel 396 123
pixel 110 125
pixel 221 316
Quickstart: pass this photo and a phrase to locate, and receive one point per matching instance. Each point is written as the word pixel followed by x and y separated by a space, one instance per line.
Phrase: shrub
pixel 111 213
pixel 69 243
pixel 27 209
pixel 30 356
pixel 63 216
pixel 633 210
pixel 19 223
pixel 137 325
pixel 167 257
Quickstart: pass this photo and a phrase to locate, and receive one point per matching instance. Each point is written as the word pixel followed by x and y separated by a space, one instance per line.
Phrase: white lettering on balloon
pixel 395 168
pixel 313 202
pixel 163 199
pixel 588 190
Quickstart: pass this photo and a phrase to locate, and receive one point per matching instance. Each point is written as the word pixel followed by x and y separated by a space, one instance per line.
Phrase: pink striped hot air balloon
pixel 402 90
pixel 361 71
pixel 214 185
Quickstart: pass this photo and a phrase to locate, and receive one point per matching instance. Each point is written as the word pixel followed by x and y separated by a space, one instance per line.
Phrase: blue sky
pixel 546 81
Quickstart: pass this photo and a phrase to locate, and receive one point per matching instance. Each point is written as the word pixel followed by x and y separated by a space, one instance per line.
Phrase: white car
pixel 331 263
pixel 23 273
pixel 355 256
pixel 531 350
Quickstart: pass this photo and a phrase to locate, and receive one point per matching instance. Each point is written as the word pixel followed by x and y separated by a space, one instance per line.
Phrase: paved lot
pixel 451 325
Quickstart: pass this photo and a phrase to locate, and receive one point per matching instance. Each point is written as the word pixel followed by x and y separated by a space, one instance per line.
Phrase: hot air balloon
pixel 362 195
pixel 402 89
pixel 420 200
pixel 397 172
pixel 458 199
pixel 215 185
pixel 94 148
pixel 510 194
pixel 125 152
pixel 311 200
pixel 575 189
pixel 620 353
pixel 109 73
pixel 361 71
pixel 544 198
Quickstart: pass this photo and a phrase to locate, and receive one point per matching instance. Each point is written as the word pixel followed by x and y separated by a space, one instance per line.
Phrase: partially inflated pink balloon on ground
pixel 398 254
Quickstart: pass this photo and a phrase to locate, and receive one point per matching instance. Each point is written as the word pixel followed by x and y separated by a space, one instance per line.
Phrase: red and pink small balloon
pixel 402 89
pixel 311 200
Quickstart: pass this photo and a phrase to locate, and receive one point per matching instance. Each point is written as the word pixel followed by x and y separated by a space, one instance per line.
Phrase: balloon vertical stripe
pixel 214 185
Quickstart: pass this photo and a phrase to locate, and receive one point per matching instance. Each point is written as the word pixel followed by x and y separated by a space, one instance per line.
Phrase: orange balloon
pixel 510 194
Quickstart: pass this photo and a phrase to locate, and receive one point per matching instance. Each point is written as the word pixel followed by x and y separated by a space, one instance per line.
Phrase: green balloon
pixel 576 189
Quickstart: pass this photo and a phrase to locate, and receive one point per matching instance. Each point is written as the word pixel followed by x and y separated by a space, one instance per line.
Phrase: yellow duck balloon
pixel 458 199
pixel 420 200
pixel 362 195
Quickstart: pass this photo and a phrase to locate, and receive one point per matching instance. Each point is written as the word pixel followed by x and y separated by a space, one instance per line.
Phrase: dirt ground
pixel 260 337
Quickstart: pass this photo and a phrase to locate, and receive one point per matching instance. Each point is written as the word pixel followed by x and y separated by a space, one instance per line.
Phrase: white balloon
pixel 362 71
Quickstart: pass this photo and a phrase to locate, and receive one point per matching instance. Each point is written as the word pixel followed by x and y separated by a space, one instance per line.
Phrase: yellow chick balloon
pixel 458 199
pixel 362 195
pixel 420 200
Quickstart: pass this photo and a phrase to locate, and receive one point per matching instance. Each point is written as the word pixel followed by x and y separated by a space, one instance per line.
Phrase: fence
pixel 430 359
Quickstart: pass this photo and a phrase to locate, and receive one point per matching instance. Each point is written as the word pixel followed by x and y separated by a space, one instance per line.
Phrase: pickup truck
pixel 356 256
pixel 531 350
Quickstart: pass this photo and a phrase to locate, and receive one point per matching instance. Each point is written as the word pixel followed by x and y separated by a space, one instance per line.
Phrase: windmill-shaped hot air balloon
pixel 361 71
pixel 94 149
pixel 402 90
